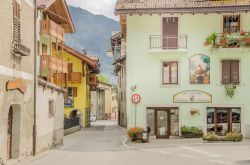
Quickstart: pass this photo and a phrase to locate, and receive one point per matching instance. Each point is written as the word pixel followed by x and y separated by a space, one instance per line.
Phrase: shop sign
pixel 16 84
pixel 192 96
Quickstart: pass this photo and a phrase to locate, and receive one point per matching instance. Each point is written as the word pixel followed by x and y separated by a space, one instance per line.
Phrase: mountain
pixel 93 33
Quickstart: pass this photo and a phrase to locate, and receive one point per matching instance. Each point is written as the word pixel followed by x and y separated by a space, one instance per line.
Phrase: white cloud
pixel 104 7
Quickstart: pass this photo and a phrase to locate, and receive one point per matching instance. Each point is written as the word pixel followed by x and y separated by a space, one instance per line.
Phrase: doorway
pixel 163 122
pixel 13 131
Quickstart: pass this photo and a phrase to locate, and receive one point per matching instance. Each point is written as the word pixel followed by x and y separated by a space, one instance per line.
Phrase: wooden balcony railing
pixel 48 27
pixel 93 82
pixel 49 63
pixel 168 42
pixel 75 77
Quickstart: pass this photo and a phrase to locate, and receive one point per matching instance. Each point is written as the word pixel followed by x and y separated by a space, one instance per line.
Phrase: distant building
pixel 16 79
pixel 101 101
pixel 118 48
pixel 114 104
pixel 189 62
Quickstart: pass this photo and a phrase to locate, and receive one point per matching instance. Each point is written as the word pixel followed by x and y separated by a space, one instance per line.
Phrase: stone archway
pixel 13 131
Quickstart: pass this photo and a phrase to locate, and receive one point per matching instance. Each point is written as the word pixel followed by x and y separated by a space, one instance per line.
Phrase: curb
pixel 126 145
pixel 183 144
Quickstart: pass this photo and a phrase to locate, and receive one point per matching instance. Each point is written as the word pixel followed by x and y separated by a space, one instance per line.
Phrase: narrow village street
pixel 103 143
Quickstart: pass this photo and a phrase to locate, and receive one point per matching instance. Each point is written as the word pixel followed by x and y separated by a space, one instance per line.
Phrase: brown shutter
pixel 83 69
pixel 235 72
pixel 226 72
pixel 74 91
pixel 170 32
pixel 70 70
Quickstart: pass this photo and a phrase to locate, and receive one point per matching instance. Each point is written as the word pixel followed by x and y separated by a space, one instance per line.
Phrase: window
pixel 223 120
pixel 52 112
pixel 170 72
pixel 72 91
pixel 231 24
pixel 16 21
pixel 230 72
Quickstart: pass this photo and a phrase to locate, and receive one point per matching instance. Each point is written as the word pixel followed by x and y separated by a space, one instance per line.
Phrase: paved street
pixel 103 144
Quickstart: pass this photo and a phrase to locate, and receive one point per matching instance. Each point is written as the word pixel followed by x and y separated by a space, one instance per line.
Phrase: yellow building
pixel 82 79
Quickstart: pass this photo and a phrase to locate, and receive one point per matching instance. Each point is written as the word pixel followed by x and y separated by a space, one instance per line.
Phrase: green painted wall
pixel 144 68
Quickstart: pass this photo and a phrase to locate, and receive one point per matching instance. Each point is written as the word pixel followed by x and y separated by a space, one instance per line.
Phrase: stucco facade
pixel 144 69
pixel 49 92
pixel 82 100
pixel 16 102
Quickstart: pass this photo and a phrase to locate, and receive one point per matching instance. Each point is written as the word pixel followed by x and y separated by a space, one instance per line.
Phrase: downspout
pixel 35 77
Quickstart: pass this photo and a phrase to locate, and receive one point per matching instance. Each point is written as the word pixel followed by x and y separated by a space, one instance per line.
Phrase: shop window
pixel 231 24
pixel 151 120
pixel 223 120
pixel 174 121
pixel 170 72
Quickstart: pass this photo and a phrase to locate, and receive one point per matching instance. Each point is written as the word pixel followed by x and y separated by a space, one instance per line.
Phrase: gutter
pixel 35 77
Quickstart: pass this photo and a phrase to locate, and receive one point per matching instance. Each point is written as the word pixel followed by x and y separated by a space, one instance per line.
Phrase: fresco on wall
pixel 199 69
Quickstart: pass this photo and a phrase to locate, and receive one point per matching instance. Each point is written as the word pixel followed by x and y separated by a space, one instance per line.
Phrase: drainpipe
pixel 35 77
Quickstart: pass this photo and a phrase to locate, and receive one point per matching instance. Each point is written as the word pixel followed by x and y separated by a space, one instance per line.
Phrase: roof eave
pixel 225 9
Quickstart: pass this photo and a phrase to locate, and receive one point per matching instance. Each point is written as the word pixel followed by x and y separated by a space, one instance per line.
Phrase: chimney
pixel 85 51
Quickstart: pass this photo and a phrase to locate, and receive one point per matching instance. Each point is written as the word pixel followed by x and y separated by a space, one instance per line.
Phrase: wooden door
pixel 9 136
pixel 170 32
pixel 162 124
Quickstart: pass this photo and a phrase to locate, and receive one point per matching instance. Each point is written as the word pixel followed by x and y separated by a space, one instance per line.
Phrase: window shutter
pixel 226 72
pixel 83 69
pixel 170 32
pixel 74 91
pixel 235 72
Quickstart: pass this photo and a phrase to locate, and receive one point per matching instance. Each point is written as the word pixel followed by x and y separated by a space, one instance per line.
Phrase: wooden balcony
pixel 49 63
pixel 173 42
pixel 93 82
pixel 75 77
pixel 48 27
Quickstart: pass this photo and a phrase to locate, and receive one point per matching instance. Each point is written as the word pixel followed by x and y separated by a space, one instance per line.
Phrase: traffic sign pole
pixel 136 98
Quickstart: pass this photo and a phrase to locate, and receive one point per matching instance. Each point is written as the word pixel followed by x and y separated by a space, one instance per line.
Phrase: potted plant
pixel 135 133
pixel 191 132
pixel 231 136
pixel 210 40
pixel 230 90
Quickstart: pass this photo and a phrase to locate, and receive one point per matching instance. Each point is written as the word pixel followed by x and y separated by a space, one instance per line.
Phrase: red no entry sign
pixel 136 98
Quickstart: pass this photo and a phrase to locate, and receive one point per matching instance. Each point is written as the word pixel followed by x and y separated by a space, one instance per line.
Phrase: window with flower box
pixel 231 24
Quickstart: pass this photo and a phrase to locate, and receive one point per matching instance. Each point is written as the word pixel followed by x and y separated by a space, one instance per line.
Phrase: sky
pixel 104 7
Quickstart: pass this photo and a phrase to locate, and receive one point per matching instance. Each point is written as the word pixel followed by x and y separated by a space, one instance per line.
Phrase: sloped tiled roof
pixel 180 6
pixel 44 3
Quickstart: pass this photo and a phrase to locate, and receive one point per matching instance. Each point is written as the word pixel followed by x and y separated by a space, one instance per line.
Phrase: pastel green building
pixel 188 64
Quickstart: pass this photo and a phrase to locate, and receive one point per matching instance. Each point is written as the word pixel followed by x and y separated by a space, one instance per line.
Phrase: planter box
pixel 191 135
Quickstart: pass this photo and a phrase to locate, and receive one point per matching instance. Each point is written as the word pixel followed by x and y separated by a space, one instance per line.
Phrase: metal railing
pixel 71 122
pixel 168 42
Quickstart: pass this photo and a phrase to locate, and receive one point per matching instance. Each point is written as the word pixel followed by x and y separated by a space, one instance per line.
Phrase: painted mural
pixel 199 69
